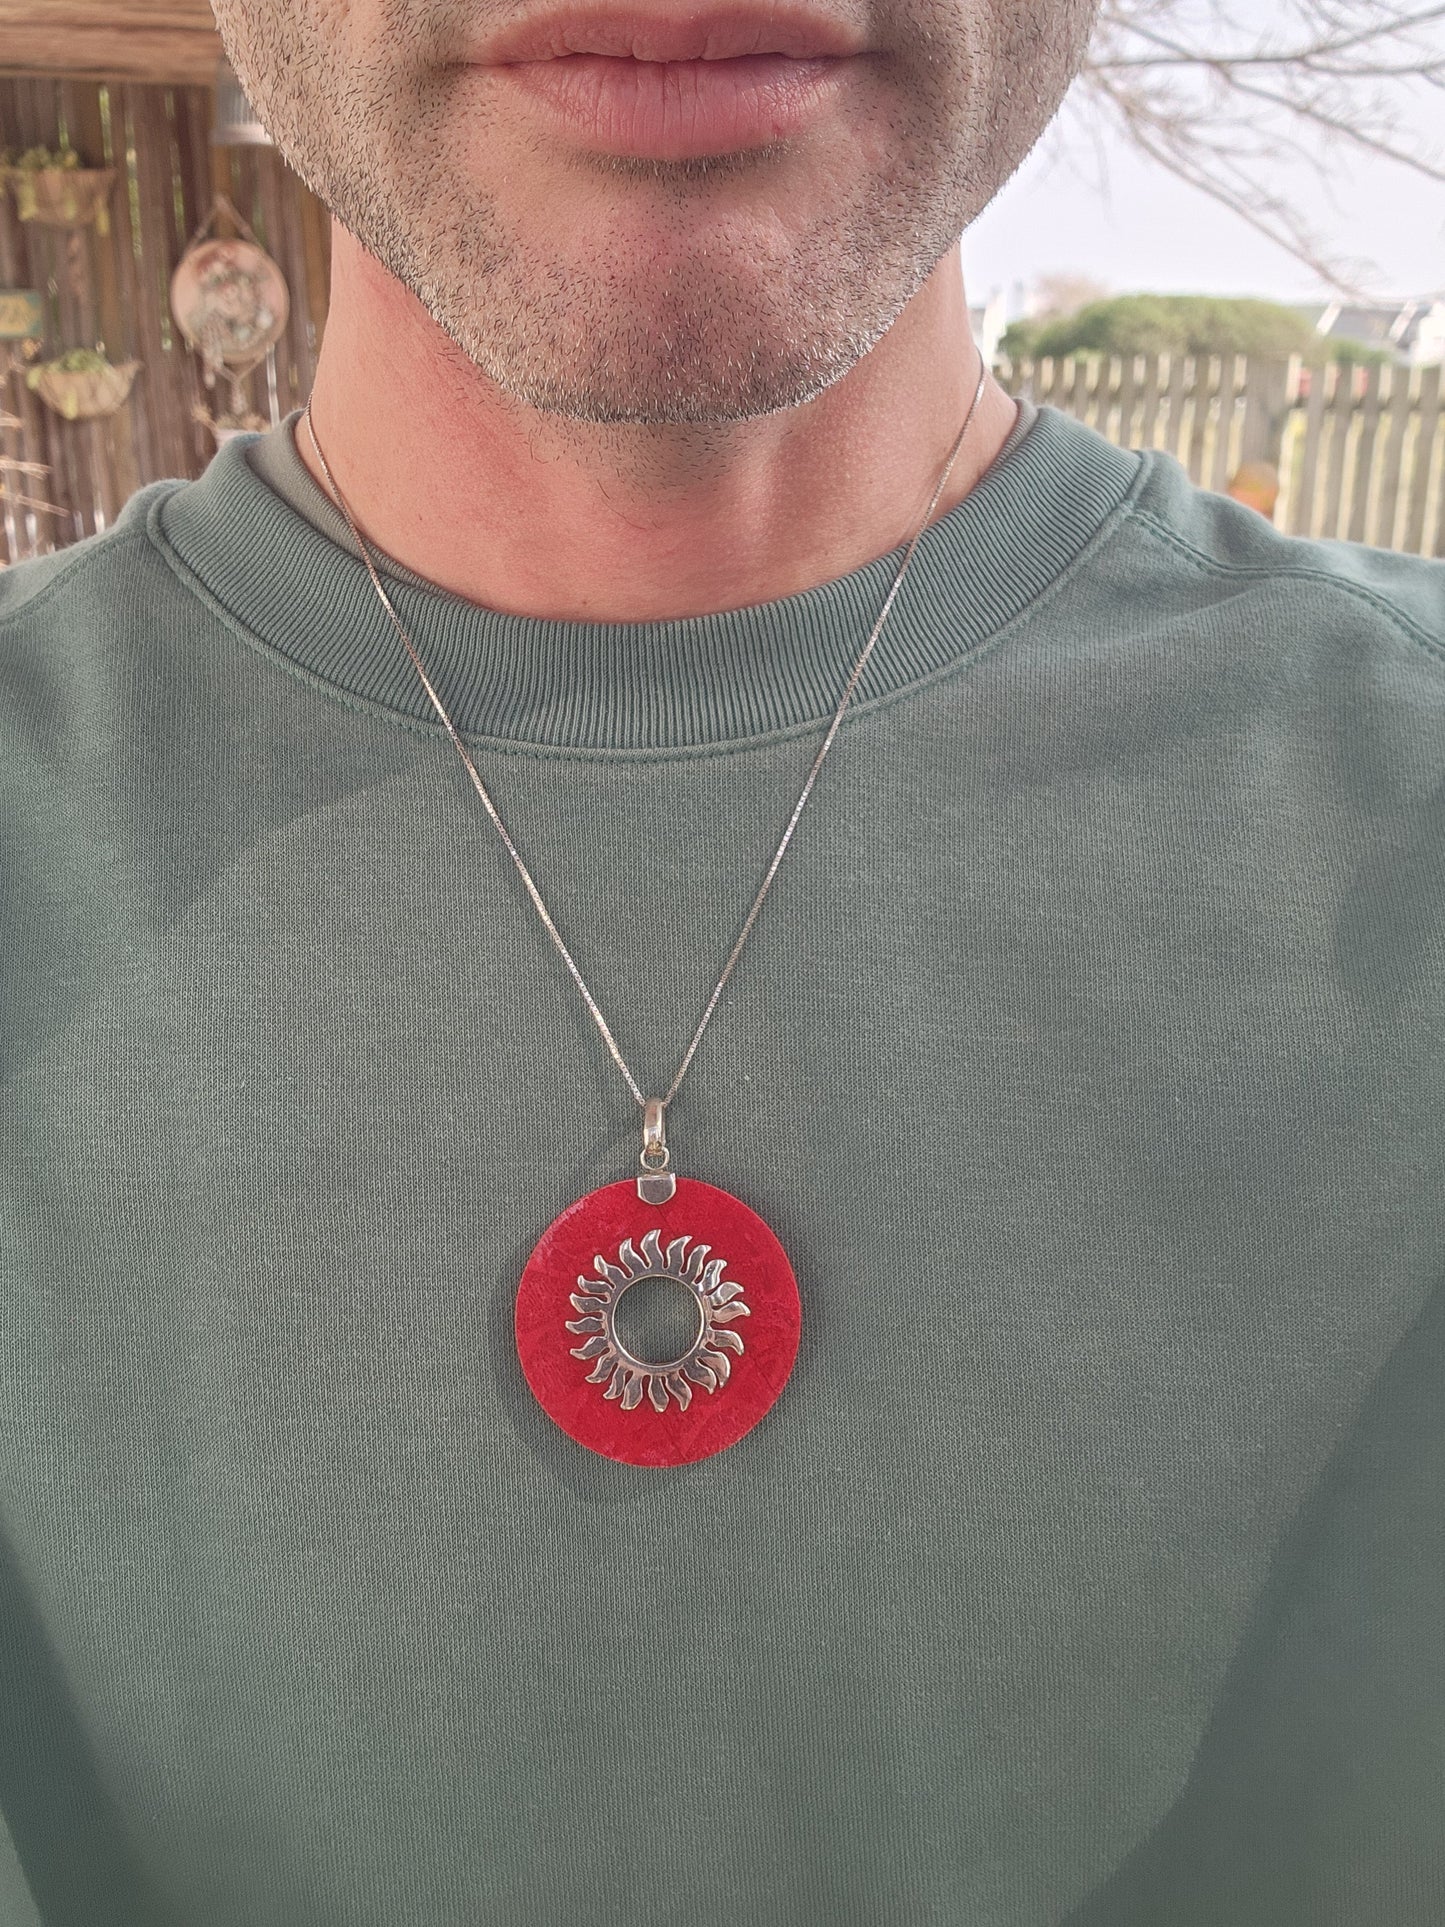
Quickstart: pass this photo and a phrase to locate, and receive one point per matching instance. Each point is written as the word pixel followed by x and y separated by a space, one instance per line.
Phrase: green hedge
pixel 1192 324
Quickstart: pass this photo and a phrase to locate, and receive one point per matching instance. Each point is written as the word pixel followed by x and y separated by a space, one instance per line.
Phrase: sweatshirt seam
pixel 1275 572
pixel 1114 519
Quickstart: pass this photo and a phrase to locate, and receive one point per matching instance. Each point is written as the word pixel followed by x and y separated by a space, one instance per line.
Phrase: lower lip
pixel 672 110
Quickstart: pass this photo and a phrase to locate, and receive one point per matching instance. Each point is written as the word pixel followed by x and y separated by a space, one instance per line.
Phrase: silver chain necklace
pixel 514 853
pixel 717 1300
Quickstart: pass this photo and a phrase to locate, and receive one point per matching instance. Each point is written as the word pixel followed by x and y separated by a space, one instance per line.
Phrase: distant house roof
pixel 1378 326
pixel 1410 326
pixel 1378 322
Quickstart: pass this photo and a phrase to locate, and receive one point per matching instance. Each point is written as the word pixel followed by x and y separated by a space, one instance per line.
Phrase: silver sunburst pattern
pixel 706 1362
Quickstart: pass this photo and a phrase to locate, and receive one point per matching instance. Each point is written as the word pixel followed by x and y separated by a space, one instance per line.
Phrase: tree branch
pixel 1210 118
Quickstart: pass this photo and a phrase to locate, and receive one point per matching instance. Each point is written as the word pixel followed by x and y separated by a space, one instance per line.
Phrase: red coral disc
pixel 747 1321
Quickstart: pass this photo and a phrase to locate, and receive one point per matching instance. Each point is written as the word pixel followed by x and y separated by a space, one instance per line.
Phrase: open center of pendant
pixel 657 1319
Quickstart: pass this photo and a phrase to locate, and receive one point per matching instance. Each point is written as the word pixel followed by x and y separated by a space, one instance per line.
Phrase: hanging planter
pixel 82 384
pixel 57 191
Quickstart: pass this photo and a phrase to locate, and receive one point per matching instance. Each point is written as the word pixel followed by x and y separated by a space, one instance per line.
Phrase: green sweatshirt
pixel 1087 1058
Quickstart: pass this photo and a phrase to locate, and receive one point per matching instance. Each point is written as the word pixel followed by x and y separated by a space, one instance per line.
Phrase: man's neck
pixel 536 515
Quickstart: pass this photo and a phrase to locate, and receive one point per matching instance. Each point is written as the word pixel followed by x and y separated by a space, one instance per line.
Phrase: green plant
pixel 75 361
pixel 1358 352
pixel 1018 339
pixel 36 159
pixel 1136 324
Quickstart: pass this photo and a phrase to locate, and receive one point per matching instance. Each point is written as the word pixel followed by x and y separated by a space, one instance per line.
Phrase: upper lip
pixel 720 33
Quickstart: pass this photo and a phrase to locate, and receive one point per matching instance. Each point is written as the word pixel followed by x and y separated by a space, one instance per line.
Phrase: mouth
pixel 661 88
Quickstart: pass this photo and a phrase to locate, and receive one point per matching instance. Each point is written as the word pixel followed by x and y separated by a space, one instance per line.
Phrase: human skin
pixel 588 362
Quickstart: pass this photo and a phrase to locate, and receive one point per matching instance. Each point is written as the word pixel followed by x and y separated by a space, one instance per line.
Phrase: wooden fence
pixel 1360 451
pixel 112 291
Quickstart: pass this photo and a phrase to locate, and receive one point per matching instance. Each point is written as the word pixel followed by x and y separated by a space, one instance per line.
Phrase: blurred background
pixel 1230 246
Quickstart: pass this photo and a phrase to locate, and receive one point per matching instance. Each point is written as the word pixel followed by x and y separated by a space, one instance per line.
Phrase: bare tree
pixel 1206 91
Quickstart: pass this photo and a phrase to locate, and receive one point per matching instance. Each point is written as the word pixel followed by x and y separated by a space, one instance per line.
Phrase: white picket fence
pixel 1360 451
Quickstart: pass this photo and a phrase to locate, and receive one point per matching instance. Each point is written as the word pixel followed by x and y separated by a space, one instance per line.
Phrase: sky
pixel 1145 230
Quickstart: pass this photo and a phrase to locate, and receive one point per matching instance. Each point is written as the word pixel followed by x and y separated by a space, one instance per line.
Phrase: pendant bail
pixel 657 1183
pixel 654 1142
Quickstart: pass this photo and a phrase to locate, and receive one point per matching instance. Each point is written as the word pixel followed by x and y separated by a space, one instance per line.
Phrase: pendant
pixel 724 1264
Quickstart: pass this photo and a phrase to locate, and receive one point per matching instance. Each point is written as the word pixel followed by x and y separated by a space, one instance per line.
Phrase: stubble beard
pixel 602 340
pixel 591 337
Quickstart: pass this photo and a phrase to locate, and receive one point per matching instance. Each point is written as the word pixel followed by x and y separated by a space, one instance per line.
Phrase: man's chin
pixel 635 353
pixel 642 314
pixel 652 394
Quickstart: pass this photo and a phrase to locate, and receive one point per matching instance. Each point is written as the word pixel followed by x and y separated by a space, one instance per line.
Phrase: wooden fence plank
pixel 1106 377
pixel 1338 417
pixel 193 114
pixel 1230 381
pixel 151 185
pixel 1368 415
pixel 1255 425
pixel 1271 385
pixel 1180 371
pixel 1078 365
pixel 169 366
pixel 313 291
pixel 1427 422
pixel 38 101
pixel 1149 404
pixel 246 194
pixel 1404 402
pixel 287 376
pixel 117 474
pixel 79 329
pixel 35 531
pixel 1207 374
pixel 1113 425
pixel 27 531
pixel 93 438
pixel 204 172
pixel 292 258
pixel 1129 368
pixel 1304 507
pixel 126 239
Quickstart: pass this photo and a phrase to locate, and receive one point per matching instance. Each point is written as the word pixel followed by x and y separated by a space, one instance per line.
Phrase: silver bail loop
pixel 657 1183
pixel 654 1143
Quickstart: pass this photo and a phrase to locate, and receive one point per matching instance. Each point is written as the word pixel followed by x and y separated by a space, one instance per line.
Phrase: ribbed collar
pixel 701 680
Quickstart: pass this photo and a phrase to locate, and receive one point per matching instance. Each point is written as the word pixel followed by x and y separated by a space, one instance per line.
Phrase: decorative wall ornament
pixel 22 314
pixel 231 303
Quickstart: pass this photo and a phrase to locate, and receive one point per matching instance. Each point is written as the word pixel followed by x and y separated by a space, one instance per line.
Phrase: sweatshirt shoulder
pixel 90 570
pixel 78 628
pixel 1215 539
